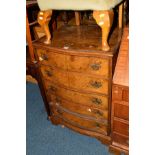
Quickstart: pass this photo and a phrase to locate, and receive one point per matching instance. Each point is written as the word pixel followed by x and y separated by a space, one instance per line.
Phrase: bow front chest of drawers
pixel 77 78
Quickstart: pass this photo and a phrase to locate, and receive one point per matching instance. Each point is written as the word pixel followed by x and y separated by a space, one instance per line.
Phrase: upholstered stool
pixel 102 13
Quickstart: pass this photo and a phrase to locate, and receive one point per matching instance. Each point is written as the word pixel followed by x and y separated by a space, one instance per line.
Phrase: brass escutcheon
pixel 96 100
pixel 96 84
pixel 48 73
pixel 44 56
pixel 95 66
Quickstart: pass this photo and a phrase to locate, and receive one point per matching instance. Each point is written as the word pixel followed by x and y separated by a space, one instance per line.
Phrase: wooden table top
pixel 121 74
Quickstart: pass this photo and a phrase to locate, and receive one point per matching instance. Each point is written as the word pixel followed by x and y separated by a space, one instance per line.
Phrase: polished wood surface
pixel 121 126
pixel 82 98
pixel 82 39
pixel 86 111
pixel 121 110
pixel 91 65
pixel 121 75
pixel 55 76
pixel 88 83
pixel 102 137
pixel 79 120
pixel 121 140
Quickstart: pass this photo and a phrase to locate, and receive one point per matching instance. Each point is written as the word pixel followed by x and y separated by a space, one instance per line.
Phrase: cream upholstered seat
pixel 102 13
pixel 77 4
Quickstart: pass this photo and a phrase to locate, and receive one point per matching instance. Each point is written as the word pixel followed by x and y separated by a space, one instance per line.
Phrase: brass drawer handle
pixel 95 66
pixel 95 111
pixel 44 56
pixel 52 88
pixel 51 103
pixel 96 84
pixel 48 73
pixel 96 101
pixel 97 125
pixel 98 112
pixel 59 111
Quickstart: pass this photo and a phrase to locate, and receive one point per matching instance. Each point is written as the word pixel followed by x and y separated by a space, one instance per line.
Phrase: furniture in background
pixel 120 98
pixel 32 10
pixel 31 6
pixel 102 13
pixel 31 21
pixel 33 32
pixel 31 36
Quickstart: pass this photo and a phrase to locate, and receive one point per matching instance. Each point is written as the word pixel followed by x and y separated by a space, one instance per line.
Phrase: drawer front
pixel 120 93
pixel 121 127
pixel 121 111
pixel 88 83
pixel 83 110
pixel 55 76
pixel 125 95
pixel 91 65
pixel 81 122
pixel 97 101
pixel 124 140
pixel 97 66
pixel 116 93
pixel 52 59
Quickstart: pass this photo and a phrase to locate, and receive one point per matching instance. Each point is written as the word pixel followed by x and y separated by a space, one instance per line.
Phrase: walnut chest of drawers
pixel 120 98
pixel 77 79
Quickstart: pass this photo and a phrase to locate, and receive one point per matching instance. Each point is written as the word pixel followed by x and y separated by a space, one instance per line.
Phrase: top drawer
pixel 90 65
pixel 52 59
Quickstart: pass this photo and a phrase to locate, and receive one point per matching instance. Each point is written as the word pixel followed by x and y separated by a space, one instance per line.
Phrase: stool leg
pixel 77 18
pixel 104 19
pixel 120 16
pixel 44 18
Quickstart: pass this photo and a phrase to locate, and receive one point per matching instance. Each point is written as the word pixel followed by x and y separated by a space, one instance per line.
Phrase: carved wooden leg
pixel 44 18
pixel 65 17
pixel 77 18
pixel 104 19
pixel 120 16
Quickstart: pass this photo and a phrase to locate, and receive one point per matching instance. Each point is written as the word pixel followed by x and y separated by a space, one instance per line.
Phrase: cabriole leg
pixel 77 18
pixel 104 19
pixel 44 18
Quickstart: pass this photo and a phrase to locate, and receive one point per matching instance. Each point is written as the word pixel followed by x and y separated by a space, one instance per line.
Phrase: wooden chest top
pixel 83 39
pixel 121 75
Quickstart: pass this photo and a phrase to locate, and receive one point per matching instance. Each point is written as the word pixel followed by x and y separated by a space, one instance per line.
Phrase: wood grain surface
pixel 121 75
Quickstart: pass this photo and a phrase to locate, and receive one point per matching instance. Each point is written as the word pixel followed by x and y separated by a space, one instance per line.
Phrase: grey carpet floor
pixel 43 138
